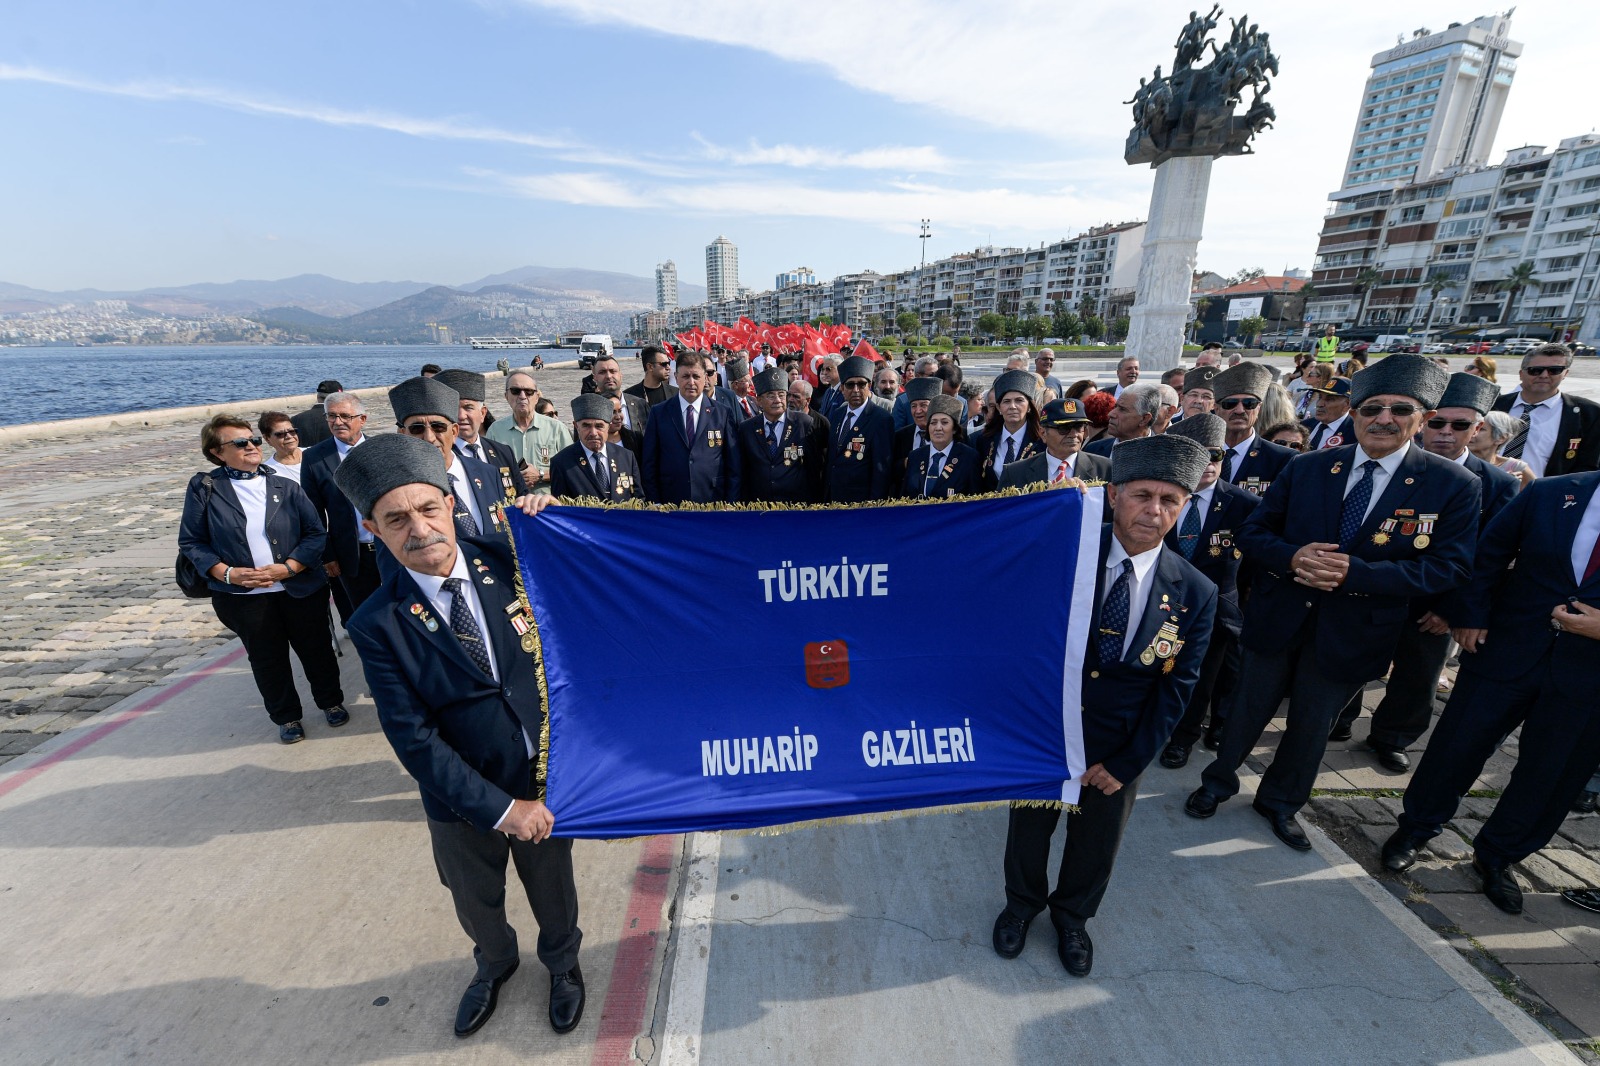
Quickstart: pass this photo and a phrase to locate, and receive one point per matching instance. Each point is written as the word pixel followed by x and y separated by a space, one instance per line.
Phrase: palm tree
pixel 1363 284
pixel 1436 282
pixel 1201 306
pixel 1520 278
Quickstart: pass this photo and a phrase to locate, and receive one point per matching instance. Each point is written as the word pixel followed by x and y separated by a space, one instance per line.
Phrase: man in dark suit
pixel 689 450
pixel 591 466
pixel 470 441
pixel 1530 643
pixel 424 408
pixel 1251 463
pixel 1012 433
pixel 1133 416
pixel 943 467
pixel 1563 435
pixel 350 556
pixel 1062 426
pixel 1406 710
pixel 441 643
pixel 1207 537
pixel 1330 426
pixel 783 454
pixel 1147 638
pixel 312 423
pixel 915 433
pixel 607 374
pixel 1344 539
pixel 861 450
pixel 828 398
pixel 740 395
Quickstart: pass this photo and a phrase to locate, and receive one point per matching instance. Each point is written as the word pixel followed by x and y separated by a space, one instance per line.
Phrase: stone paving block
pixel 1571 988
pixel 1478 807
pixel 1333 811
pixel 1444 877
pixel 1579 865
pixel 1369 810
pixel 1508 937
pixel 1546 875
pixel 1447 845
pixel 1582 830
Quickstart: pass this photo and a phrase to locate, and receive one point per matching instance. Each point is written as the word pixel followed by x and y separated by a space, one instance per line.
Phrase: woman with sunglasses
pixel 1291 435
pixel 278 431
pixel 258 540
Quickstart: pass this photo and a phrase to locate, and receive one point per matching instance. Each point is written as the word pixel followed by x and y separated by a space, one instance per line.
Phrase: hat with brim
pixel 771 380
pixel 923 389
pixel 1469 391
pixel 386 462
pixel 1335 387
pixel 1176 460
pixel 1415 376
pixel 1059 414
pixel 1246 379
pixel 1208 431
pixel 593 405
pixel 857 366
pixel 469 384
pixel 945 405
pixel 424 396
pixel 1023 381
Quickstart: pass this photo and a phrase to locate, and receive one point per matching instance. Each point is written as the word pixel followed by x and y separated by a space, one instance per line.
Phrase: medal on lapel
pixel 1424 529
pixel 424 617
pixel 1572 447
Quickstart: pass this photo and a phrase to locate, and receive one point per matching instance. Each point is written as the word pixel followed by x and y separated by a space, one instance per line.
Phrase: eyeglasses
pixel 1553 371
pixel 854 383
pixel 242 443
pixel 1294 444
pixel 1399 410
pixel 279 434
pixel 417 429
pixel 1249 403
pixel 344 418
pixel 521 392
pixel 1460 425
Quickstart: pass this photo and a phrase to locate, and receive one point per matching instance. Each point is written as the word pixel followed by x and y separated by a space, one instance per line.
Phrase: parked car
pixel 1232 344
pixel 1437 349
pixel 1476 347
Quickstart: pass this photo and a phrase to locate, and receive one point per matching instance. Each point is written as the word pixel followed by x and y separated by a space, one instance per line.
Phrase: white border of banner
pixel 1078 638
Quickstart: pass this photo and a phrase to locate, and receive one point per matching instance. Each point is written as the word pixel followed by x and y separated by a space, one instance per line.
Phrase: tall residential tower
pixel 722 270
pixel 667 286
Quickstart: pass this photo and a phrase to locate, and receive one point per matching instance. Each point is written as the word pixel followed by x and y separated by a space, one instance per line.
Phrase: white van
pixel 591 347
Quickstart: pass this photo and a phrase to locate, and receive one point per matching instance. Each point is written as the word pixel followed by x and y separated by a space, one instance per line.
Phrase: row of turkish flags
pixel 810 342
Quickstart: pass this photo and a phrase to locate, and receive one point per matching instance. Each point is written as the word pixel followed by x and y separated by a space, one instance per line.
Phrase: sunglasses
pixel 1249 403
pixel 660 366
pixel 1217 454
pixel 1460 425
pixel 522 392
pixel 856 383
pixel 1399 410
pixel 417 429
pixel 279 434
pixel 242 443
pixel 1553 371
pixel 1294 444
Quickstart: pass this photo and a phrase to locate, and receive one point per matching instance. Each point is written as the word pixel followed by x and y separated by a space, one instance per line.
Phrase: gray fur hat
pixel 1470 391
pixel 1208 431
pixel 1415 376
pixel 469 384
pixel 592 405
pixel 1166 457
pixel 857 366
pixel 424 396
pixel 1246 379
pixel 1023 381
pixel 385 462
pixel 1200 377
pixel 946 405
pixel 923 389
pixel 772 380
pixel 738 367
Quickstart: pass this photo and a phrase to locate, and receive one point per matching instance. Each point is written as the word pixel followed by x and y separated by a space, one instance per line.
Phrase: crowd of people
pixel 1267 540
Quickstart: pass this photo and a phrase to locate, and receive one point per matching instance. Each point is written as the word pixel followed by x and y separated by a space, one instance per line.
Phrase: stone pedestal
pixel 1166 271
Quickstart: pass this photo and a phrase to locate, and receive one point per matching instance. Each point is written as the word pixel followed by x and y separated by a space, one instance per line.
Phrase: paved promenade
pixel 175 885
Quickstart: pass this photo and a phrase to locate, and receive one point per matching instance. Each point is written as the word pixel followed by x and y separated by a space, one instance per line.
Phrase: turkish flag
pixel 867 351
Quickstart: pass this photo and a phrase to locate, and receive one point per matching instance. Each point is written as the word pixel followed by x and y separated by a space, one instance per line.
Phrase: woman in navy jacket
pixel 258 540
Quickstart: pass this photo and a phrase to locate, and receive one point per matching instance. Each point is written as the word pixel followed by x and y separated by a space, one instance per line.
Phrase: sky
pixel 173 141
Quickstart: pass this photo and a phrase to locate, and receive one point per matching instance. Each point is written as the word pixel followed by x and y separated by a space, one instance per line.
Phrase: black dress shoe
pixel 1499 884
pixel 1212 741
pixel 1339 732
pixel 336 715
pixel 1400 851
pixel 1201 804
pixel 1390 757
pixel 1284 827
pixel 1076 951
pixel 1010 933
pixel 1176 757
pixel 292 732
pixel 478 1001
pixel 1586 802
pixel 566 1000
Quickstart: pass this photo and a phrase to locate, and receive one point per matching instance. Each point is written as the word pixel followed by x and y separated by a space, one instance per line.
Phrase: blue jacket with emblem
pixel 1217 555
pixel 705 470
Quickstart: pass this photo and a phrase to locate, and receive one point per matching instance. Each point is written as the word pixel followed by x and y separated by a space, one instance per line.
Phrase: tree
pixel 1363 284
pixel 1037 327
pixel 1119 328
pixel 875 324
pixel 941 323
pixel 908 322
pixel 1201 306
pixel 990 324
pixel 1094 326
pixel 1252 327
pixel 1436 282
pixel 1065 324
pixel 1030 309
pixel 1013 327
pixel 1246 275
pixel 1520 278
pixel 1086 306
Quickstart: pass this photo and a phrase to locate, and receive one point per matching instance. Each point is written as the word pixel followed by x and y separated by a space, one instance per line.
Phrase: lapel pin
pixel 1411 481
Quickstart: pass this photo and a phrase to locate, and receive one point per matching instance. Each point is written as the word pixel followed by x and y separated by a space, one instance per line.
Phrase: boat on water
pixel 505 343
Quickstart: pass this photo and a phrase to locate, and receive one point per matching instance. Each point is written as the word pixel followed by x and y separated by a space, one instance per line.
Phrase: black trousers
pixel 472 865
pixel 1094 833
pixel 1406 710
pixel 269 625
pixel 365 581
pixel 1557 752
pixel 1314 702
pixel 1219 672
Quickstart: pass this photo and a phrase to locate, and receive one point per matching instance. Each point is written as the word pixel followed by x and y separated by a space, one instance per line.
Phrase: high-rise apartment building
pixel 722 270
pixel 667 286
pixel 1432 102
pixel 797 276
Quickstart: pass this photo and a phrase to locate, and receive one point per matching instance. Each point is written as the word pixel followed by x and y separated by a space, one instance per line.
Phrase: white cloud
pixel 906 159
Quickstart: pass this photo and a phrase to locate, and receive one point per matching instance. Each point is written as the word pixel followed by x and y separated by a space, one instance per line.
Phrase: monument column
pixel 1160 314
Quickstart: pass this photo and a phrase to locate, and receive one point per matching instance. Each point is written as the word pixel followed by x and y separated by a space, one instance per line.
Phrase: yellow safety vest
pixel 1327 349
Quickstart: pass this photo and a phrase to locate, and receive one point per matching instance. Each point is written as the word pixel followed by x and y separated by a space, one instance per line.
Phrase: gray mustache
pixel 416 544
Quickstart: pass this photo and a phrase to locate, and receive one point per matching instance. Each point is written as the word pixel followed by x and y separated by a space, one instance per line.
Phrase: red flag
pixel 867 351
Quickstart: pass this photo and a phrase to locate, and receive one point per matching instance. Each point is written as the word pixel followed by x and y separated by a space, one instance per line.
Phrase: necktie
pixel 1011 452
pixel 1227 466
pixel 1063 472
pixel 601 474
pixel 1189 533
pixel 465 626
pixel 1594 563
pixel 772 440
pixel 688 424
pixel 1114 615
pixel 1355 504
pixel 464 520
pixel 1316 438
pixel 744 405
pixel 934 468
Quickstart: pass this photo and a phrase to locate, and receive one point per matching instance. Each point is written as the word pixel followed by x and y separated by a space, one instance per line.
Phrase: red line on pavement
pixel 19 778
pixel 629 995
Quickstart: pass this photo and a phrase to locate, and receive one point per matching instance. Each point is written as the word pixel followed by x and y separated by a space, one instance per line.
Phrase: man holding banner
pixel 1148 635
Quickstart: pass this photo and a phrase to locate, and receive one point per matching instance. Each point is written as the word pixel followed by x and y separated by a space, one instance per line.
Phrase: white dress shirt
pixel 1017 439
pixel 1241 450
pixel 363 535
pixel 475 450
pixel 463 492
pixel 1138 584
pixel 253 499
pixel 775 427
pixel 943 458
pixel 699 410
pixel 1380 477
pixel 1544 422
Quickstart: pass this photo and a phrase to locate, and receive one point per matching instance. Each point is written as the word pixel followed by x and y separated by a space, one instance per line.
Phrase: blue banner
pixel 732 669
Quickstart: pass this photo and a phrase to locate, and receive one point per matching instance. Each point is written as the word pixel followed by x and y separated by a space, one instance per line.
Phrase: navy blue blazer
pixel 1100 446
pixel 1498 488
pixel 859 463
pixel 797 474
pixel 1130 706
pixel 214 532
pixel 500 456
pixel 958 477
pixel 487 491
pixel 454 729
pixel 987 446
pixel 1036 468
pixel 1428 500
pixel 1217 555
pixel 572 474
pixel 318 464
pixel 1341 432
pixel 1261 466
pixel 1523 571
pixel 705 470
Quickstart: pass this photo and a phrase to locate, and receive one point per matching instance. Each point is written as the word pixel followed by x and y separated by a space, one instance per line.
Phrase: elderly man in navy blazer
pixel 1330 426
pixel 1251 463
pixel 783 454
pixel 690 455
pixel 1529 629
pixel 426 408
pixel 1147 638
pixel 350 557
pixel 861 454
pixel 441 643
pixel 1343 540
pixel 591 466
